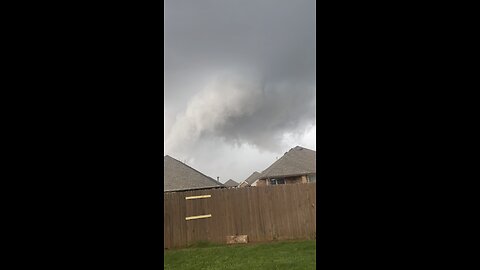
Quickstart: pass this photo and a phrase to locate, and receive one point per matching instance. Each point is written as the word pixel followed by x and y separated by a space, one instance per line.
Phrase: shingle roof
pixel 231 183
pixel 179 176
pixel 297 161
pixel 251 179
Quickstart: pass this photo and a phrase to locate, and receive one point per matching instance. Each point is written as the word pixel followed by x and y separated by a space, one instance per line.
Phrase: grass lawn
pixel 274 255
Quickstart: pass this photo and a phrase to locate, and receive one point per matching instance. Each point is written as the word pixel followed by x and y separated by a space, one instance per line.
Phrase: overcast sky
pixel 239 83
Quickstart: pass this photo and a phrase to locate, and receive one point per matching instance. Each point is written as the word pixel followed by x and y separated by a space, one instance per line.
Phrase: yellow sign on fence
pixel 197 217
pixel 198 197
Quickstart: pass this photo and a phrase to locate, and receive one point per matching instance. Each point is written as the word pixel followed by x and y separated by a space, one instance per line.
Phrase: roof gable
pixel 180 176
pixel 297 161
pixel 231 183
pixel 252 178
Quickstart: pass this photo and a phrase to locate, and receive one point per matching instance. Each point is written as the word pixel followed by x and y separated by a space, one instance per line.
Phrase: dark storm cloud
pixel 242 71
pixel 276 37
pixel 283 109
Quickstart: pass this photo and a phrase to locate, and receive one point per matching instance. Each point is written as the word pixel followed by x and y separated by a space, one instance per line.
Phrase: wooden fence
pixel 262 213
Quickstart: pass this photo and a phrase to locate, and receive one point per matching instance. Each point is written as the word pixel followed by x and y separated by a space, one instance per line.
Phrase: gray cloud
pixel 240 74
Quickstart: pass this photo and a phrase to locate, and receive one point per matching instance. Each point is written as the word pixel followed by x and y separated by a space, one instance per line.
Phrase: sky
pixel 239 83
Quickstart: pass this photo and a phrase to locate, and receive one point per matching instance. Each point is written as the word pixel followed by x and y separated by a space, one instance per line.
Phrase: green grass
pixel 274 255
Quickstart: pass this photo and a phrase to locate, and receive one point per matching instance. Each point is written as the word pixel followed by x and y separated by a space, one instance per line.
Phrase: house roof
pixel 252 178
pixel 180 176
pixel 298 161
pixel 231 183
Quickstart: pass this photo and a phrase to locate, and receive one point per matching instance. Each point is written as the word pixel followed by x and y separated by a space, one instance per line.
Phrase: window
pixel 277 181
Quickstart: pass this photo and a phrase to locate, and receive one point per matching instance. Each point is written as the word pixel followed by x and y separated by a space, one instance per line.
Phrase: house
pixel 178 176
pixel 296 166
pixel 251 180
pixel 231 183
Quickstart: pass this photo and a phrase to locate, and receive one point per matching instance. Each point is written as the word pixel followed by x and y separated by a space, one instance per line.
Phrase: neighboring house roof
pixel 297 161
pixel 251 179
pixel 179 176
pixel 231 183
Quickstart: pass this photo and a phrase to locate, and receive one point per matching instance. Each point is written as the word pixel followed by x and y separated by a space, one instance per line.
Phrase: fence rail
pixel 262 213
